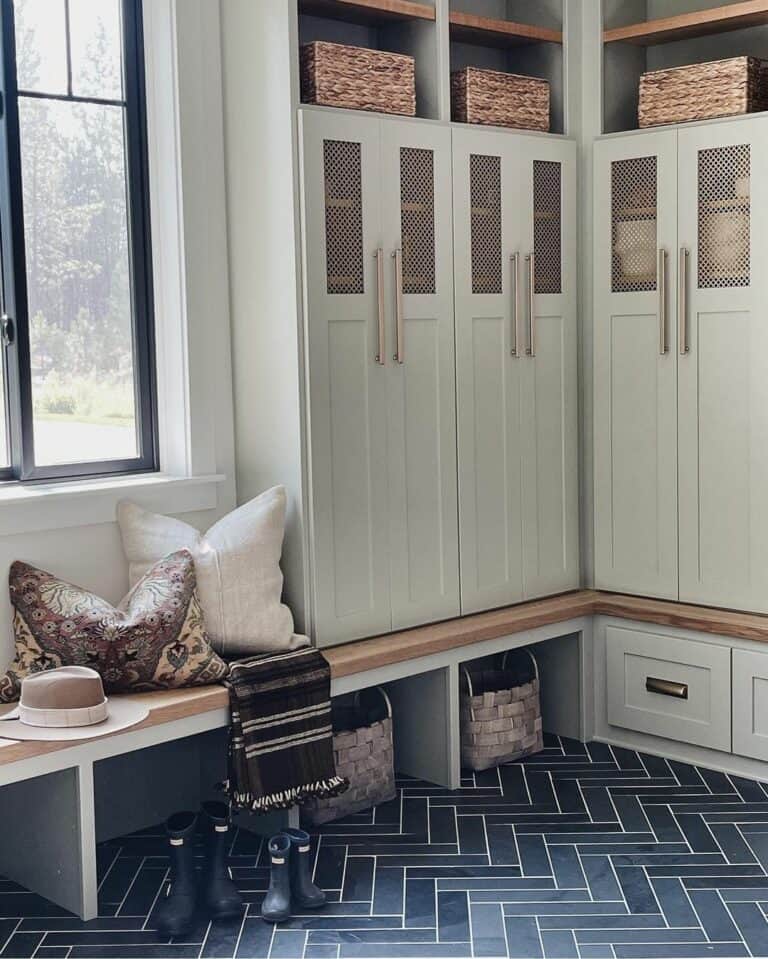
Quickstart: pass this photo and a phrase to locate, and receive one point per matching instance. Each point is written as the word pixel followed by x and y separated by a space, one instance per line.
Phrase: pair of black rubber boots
pixel 290 882
pixel 186 894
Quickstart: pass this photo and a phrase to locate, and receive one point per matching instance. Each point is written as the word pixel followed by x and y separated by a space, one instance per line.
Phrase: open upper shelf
pixel 489 32
pixel 697 23
pixel 368 11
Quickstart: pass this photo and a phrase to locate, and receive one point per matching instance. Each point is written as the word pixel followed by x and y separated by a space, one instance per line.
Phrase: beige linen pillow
pixel 239 581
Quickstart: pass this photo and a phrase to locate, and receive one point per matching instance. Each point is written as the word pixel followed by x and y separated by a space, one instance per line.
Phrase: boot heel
pixel 277 902
pixel 304 892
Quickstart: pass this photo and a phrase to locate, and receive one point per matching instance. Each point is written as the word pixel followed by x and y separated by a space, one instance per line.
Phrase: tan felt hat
pixel 67 703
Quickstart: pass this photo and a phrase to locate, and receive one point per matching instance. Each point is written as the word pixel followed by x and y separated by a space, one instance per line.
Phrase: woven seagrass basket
pixel 365 757
pixel 500 722
pixel 702 91
pixel 356 78
pixel 500 99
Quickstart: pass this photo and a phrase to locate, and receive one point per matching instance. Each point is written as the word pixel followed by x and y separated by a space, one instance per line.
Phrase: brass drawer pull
pixel 665 687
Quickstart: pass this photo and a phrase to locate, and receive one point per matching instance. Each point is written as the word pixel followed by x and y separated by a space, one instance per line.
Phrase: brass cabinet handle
pixel 666 687
pixel 399 356
pixel 662 302
pixel 683 321
pixel 515 261
pixel 531 261
pixel 381 317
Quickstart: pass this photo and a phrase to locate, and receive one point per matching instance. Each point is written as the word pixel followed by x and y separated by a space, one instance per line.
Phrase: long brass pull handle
pixel 665 687
pixel 684 253
pixel 381 316
pixel 662 302
pixel 531 261
pixel 515 261
pixel 399 356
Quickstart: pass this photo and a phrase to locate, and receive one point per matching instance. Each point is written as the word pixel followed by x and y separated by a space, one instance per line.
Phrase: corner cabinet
pixel 515 269
pixel 681 376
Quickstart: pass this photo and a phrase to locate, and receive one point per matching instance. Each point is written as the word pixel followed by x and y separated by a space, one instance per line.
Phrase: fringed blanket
pixel 281 747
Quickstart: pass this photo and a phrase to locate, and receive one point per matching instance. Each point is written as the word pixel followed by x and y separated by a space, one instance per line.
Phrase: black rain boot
pixel 277 902
pixel 176 912
pixel 221 897
pixel 303 891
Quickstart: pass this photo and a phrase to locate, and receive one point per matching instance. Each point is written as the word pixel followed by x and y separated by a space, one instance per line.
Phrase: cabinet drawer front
pixel 750 703
pixel 676 688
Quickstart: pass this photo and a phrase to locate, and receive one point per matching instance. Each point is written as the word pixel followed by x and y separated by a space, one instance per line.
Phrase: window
pixel 77 378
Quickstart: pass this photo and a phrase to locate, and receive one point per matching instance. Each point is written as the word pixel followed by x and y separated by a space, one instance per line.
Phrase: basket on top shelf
pixel 500 99
pixel 364 754
pixel 703 91
pixel 357 78
pixel 501 712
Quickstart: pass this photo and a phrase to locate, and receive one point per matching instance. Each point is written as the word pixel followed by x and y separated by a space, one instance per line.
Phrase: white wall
pixel 183 38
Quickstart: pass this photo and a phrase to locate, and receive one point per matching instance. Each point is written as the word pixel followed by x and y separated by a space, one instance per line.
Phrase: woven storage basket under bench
pixel 501 712
pixel 364 754
pixel 703 91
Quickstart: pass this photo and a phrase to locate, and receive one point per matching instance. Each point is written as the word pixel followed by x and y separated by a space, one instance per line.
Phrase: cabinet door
pixel 635 357
pixel 416 213
pixel 549 404
pixel 347 384
pixel 489 350
pixel 723 365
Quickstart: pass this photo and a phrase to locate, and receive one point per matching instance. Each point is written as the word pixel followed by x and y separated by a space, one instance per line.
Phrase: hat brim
pixel 122 714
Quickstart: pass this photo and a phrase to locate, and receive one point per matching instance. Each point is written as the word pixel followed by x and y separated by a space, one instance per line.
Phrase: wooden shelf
pixel 368 11
pixel 470 28
pixel 698 23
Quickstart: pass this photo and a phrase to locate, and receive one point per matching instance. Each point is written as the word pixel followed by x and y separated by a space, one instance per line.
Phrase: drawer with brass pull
pixel 667 686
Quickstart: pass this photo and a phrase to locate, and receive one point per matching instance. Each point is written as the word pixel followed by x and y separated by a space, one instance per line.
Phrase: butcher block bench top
pixel 169 706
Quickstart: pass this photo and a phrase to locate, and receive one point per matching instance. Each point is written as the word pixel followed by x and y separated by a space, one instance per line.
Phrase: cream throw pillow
pixel 239 581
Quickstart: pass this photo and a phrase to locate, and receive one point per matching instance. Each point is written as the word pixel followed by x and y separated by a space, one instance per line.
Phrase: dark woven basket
pixel 364 755
pixel 357 78
pixel 500 716
pixel 703 91
pixel 499 99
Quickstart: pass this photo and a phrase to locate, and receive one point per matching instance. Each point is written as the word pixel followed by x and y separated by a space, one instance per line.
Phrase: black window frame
pixel 13 282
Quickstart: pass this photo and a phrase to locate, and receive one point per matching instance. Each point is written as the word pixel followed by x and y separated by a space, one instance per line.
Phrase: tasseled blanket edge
pixel 324 789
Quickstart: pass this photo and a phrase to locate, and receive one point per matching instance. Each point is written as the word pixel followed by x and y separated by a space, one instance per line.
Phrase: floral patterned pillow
pixel 155 639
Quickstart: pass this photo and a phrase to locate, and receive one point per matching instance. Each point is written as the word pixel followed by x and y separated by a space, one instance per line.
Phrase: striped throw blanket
pixel 281 747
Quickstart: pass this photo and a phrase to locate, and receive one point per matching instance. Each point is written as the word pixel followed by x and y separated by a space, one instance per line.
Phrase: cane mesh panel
pixel 547 226
pixel 633 225
pixel 343 216
pixel 417 219
pixel 724 216
pixel 485 202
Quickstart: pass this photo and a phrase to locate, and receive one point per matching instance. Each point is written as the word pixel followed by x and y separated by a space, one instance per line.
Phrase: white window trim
pixel 190 279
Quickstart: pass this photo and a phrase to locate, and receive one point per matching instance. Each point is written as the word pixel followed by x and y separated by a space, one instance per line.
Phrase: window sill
pixel 30 508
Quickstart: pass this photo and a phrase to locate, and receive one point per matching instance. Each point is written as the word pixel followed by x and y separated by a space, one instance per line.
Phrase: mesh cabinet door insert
pixel 342 167
pixel 547 226
pixel 724 216
pixel 485 219
pixel 417 219
pixel 633 225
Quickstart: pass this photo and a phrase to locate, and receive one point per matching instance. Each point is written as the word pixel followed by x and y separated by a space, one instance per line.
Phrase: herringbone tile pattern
pixel 582 851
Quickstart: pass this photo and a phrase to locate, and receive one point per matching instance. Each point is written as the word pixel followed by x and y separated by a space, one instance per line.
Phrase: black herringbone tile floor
pixel 582 851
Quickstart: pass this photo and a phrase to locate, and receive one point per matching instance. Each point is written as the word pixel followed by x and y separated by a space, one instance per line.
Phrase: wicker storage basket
pixel 336 75
pixel 702 91
pixel 365 757
pixel 499 99
pixel 499 722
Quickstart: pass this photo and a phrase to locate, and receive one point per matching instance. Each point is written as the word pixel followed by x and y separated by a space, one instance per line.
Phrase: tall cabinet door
pixel 347 376
pixel 635 355
pixel 723 358
pixel 488 245
pixel 549 397
pixel 417 223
